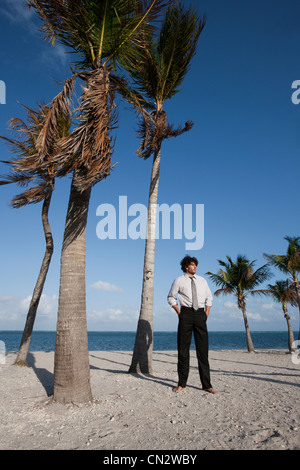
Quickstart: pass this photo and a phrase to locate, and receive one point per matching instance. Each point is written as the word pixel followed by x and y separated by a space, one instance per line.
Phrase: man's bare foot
pixel 179 389
pixel 210 390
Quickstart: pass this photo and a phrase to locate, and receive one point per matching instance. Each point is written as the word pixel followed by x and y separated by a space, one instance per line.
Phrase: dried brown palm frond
pixel 25 146
pixel 38 136
pixel 144 132
pixel 26 167
pixel 30 196
pixel 60 106
pixel 102 33
pixel 154 129
pixel 23 150
pixel 21 179
pixel 89 147
pixel 171 132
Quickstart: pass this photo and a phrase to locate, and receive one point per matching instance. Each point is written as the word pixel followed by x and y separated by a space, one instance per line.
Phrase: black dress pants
pixel 193 321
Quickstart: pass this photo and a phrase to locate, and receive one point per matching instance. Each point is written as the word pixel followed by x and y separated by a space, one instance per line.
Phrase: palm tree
pixel 101 32
pixel 283 292
pixel 27 149
pixel 158 67
pixel 239 278
pixel 290 265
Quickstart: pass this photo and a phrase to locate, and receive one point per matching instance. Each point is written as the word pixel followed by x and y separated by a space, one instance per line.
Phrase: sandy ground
pixel 257 406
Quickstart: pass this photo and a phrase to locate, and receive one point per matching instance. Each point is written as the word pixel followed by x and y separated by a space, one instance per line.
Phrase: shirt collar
pixel 190 277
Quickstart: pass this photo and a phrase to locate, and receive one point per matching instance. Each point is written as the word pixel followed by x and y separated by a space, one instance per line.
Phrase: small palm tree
pixel 28 149
pixel 102 33
pixel 283 292
pixel 239 278
pixel 158 67
pixel 290 265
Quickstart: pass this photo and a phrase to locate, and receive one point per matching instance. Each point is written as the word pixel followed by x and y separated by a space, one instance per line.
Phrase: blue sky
pixel 241 160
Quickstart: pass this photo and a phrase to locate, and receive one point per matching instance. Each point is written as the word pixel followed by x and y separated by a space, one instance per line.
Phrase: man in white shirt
pixel 195 301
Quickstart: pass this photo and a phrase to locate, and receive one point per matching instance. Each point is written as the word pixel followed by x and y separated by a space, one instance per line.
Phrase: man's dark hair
pixel 186 261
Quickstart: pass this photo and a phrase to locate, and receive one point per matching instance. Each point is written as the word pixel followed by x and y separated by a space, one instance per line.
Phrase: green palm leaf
pixel 99 31
pixel 282 291
pixel 239 277
pixel 158 65
pixel 288 263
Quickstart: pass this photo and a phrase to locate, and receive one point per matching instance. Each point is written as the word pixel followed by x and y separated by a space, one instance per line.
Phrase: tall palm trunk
pixel 27 333
pixel 297 288
pixel 290 330
pixel 143 347
pixel 242 306
pixel 71 365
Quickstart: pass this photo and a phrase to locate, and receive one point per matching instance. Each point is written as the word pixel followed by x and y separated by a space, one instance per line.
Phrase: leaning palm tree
pixel 290 265
pixel 157 68
pixel 283 292
pixel 239 278
pixel 101 32
pixel 28 149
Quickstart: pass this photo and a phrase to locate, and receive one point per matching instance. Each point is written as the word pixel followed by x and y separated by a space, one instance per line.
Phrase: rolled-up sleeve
pixel 172 296
pixel 209 297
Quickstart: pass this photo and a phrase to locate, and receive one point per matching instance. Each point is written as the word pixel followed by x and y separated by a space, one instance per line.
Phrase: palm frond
pixel 32 195
pixel 21 148
pixel 259 292
pixel 259 276
pixel 60 106
pixel 89 147
pixel 239 277
pixel 22 179
pixel 220 279
pixel 153 129
pixel 177 46
pixel 171 132
pixel 95 30
pixel 288 263
pixel 293 244
pixel 26 167
pixel 159 65
pixel 281 291
pixel 279 261
pixel 224 291
pixel 131 95
pixel 145 13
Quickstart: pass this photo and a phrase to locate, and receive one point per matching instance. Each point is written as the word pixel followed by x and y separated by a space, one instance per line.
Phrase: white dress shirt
pixel 182 286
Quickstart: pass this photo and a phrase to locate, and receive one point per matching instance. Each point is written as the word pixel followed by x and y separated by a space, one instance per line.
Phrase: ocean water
pixel 162 341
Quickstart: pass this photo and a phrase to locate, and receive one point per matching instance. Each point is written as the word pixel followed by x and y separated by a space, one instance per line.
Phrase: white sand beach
pixel 257 406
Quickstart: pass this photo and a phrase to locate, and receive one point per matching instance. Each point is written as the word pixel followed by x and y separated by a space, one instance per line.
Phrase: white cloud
pixel 235 314
pixel 47 304
pixel 106 286
pixel 115 312
pixel 123 317
pixel 107 315
pixel 230 304
pixel 16 11
pixel 55 56
pixel 6 298
pixel 6 304
pixel 268 306
pixel 256 317
pixel 13 312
